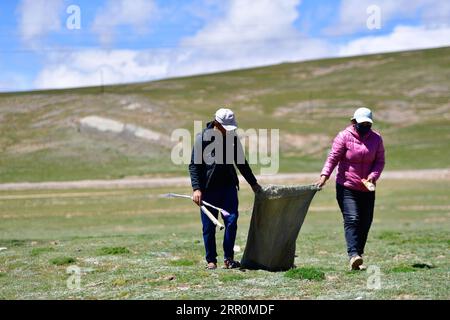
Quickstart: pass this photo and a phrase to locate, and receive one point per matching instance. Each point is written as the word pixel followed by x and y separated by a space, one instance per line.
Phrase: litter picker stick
pixel 211 217
pixel 203 208
pixel 175 195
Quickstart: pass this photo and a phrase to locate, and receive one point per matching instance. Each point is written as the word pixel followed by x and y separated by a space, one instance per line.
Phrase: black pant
pixel 357 211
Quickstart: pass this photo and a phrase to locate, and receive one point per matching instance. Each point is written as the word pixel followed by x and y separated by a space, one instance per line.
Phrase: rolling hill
pixel 124 130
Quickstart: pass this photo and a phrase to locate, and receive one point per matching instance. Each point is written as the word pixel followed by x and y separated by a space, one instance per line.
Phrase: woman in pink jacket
pixel 358 152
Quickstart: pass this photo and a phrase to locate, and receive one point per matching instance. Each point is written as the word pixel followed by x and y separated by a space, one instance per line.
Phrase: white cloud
pixel 249 34
pixel 94 67
pixel 352 15
pixel 135 13
pixel 402 38
pixel 249 21
pixel 38 17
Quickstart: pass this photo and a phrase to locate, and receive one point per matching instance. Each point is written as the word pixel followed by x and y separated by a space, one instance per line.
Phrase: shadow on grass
pixel 411 268
pixel 113 251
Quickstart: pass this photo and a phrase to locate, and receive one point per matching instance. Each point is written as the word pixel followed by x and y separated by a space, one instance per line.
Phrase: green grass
pixel 62 261
pixel 232 277
pixel 166 253
pixel 38 251
pixel 182 263
pixel 403 268
pixel 408 92
pixel 305 273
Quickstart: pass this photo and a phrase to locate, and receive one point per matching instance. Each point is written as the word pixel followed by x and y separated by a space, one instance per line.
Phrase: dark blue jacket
pixel 202 174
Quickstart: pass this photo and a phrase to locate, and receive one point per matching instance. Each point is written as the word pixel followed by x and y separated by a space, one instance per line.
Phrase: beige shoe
pixel 211 266
pixel 355 262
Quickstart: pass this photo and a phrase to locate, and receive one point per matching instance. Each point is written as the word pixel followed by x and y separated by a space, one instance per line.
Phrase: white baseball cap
pixel 226 118
pixel 363 115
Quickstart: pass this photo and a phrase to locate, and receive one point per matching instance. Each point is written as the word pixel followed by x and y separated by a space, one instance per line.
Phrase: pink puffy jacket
pixel 358 158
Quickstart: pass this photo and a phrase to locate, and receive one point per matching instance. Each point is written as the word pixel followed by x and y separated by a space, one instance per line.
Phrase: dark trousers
pixel 227 199
pixel 357 210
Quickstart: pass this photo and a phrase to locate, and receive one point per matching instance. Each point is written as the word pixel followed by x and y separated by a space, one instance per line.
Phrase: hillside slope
pixel 43 136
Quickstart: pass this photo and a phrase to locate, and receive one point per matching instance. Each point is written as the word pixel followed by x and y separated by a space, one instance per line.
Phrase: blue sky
pixel 124 41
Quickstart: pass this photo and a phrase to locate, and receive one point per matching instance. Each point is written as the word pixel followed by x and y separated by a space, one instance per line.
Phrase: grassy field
pixel 309 102
pixel 132 244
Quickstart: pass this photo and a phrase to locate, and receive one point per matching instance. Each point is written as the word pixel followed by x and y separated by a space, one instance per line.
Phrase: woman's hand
pixel 322 181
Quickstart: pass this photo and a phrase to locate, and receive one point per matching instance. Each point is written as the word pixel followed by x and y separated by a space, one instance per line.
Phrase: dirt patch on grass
pixel 397 112
pixel 315 108
pixel 48 119
pixel 405 113
pixel 430 90
pixel 68 195
pixel 305 144
pixel 425 174
pixel 349 65
pixel 30 147
pixel 32 102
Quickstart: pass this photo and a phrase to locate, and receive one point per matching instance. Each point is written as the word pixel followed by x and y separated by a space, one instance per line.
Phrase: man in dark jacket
pixel 213 177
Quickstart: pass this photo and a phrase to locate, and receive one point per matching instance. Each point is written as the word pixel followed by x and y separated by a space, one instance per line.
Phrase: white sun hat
pixel 363 115
pixel 226 118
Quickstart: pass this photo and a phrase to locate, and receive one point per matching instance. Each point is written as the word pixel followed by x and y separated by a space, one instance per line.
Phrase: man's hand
pixel 256 188
pixel 197 197
pixel 322 181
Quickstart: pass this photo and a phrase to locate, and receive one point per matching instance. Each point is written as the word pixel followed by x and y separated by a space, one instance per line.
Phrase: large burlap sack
pixel 278 214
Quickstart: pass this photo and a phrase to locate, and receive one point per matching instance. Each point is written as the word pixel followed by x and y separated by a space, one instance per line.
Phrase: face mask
pixel 362 130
